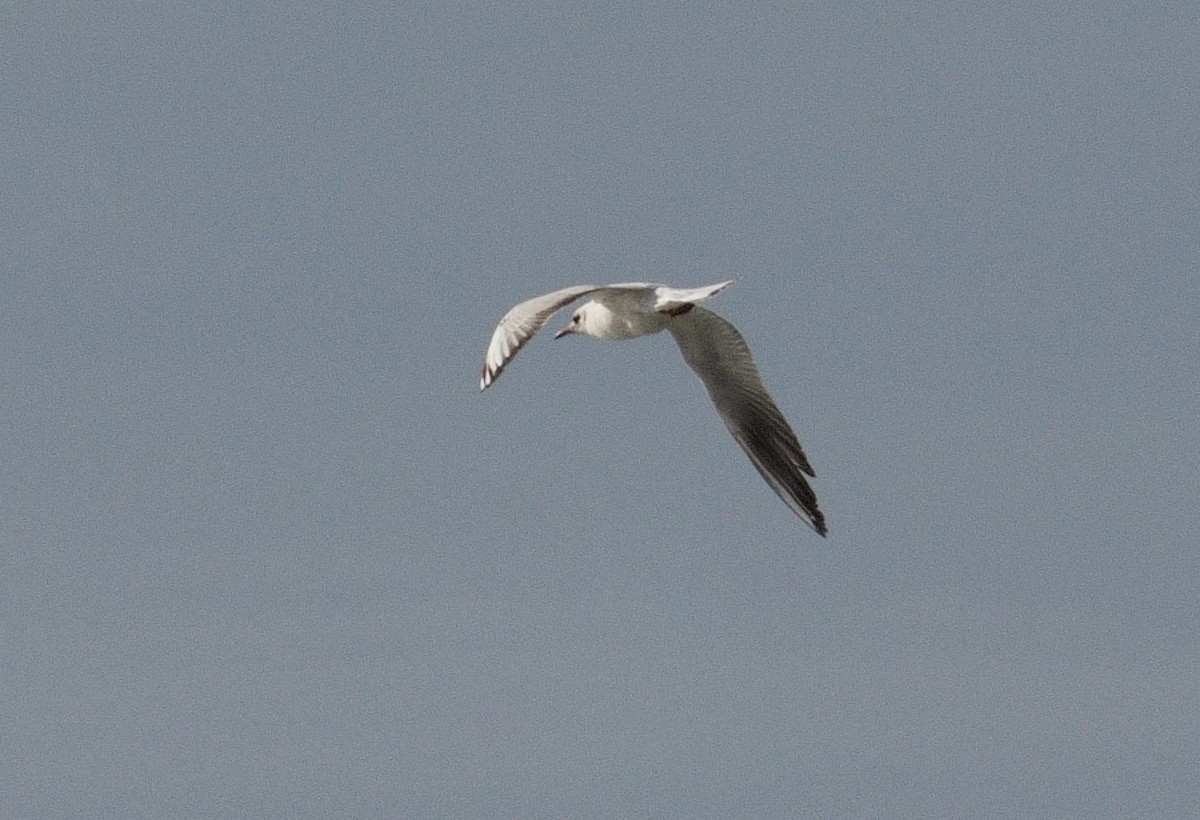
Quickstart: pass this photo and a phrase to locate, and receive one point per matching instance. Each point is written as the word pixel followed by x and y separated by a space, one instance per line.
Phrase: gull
pixel 713 348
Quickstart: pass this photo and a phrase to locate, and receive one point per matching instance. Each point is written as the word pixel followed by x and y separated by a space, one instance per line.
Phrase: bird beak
pixel 568 329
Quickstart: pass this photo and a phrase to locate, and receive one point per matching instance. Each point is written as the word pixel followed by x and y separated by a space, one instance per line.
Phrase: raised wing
pixel 518 326
pixel 721 358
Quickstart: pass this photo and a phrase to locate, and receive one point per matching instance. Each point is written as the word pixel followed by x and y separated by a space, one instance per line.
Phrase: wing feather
pixel 716 351
pixel 520 324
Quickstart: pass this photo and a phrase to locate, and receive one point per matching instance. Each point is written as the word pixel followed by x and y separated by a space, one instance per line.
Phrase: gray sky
pixel 267 552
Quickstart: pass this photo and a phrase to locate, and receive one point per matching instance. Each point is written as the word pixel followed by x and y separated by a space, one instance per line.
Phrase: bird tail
pixel 670 300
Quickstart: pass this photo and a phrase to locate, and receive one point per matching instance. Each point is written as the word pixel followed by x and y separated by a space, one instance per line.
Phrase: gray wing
pixel 518 326
pixel 719 355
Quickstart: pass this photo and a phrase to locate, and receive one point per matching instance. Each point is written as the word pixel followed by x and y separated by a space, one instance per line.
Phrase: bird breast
pixel 609 325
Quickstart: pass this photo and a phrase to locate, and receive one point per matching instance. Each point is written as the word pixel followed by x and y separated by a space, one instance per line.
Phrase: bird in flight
pixel 710 345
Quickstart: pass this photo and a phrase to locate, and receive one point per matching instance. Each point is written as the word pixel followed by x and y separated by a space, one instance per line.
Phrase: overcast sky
pixel 266 551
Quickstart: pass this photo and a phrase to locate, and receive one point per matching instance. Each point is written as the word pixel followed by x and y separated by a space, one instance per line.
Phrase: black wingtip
pixel 818 523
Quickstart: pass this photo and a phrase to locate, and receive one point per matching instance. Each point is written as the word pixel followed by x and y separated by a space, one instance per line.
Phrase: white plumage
pixel 710 345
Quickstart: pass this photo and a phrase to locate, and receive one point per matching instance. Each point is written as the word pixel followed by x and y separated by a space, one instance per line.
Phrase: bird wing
pixel 519 324
pixel 721 358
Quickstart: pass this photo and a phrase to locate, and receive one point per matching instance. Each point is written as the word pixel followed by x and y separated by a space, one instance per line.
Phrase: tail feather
pixel 671 300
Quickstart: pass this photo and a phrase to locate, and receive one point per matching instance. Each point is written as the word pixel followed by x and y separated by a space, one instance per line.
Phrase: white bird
pixel 710 345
